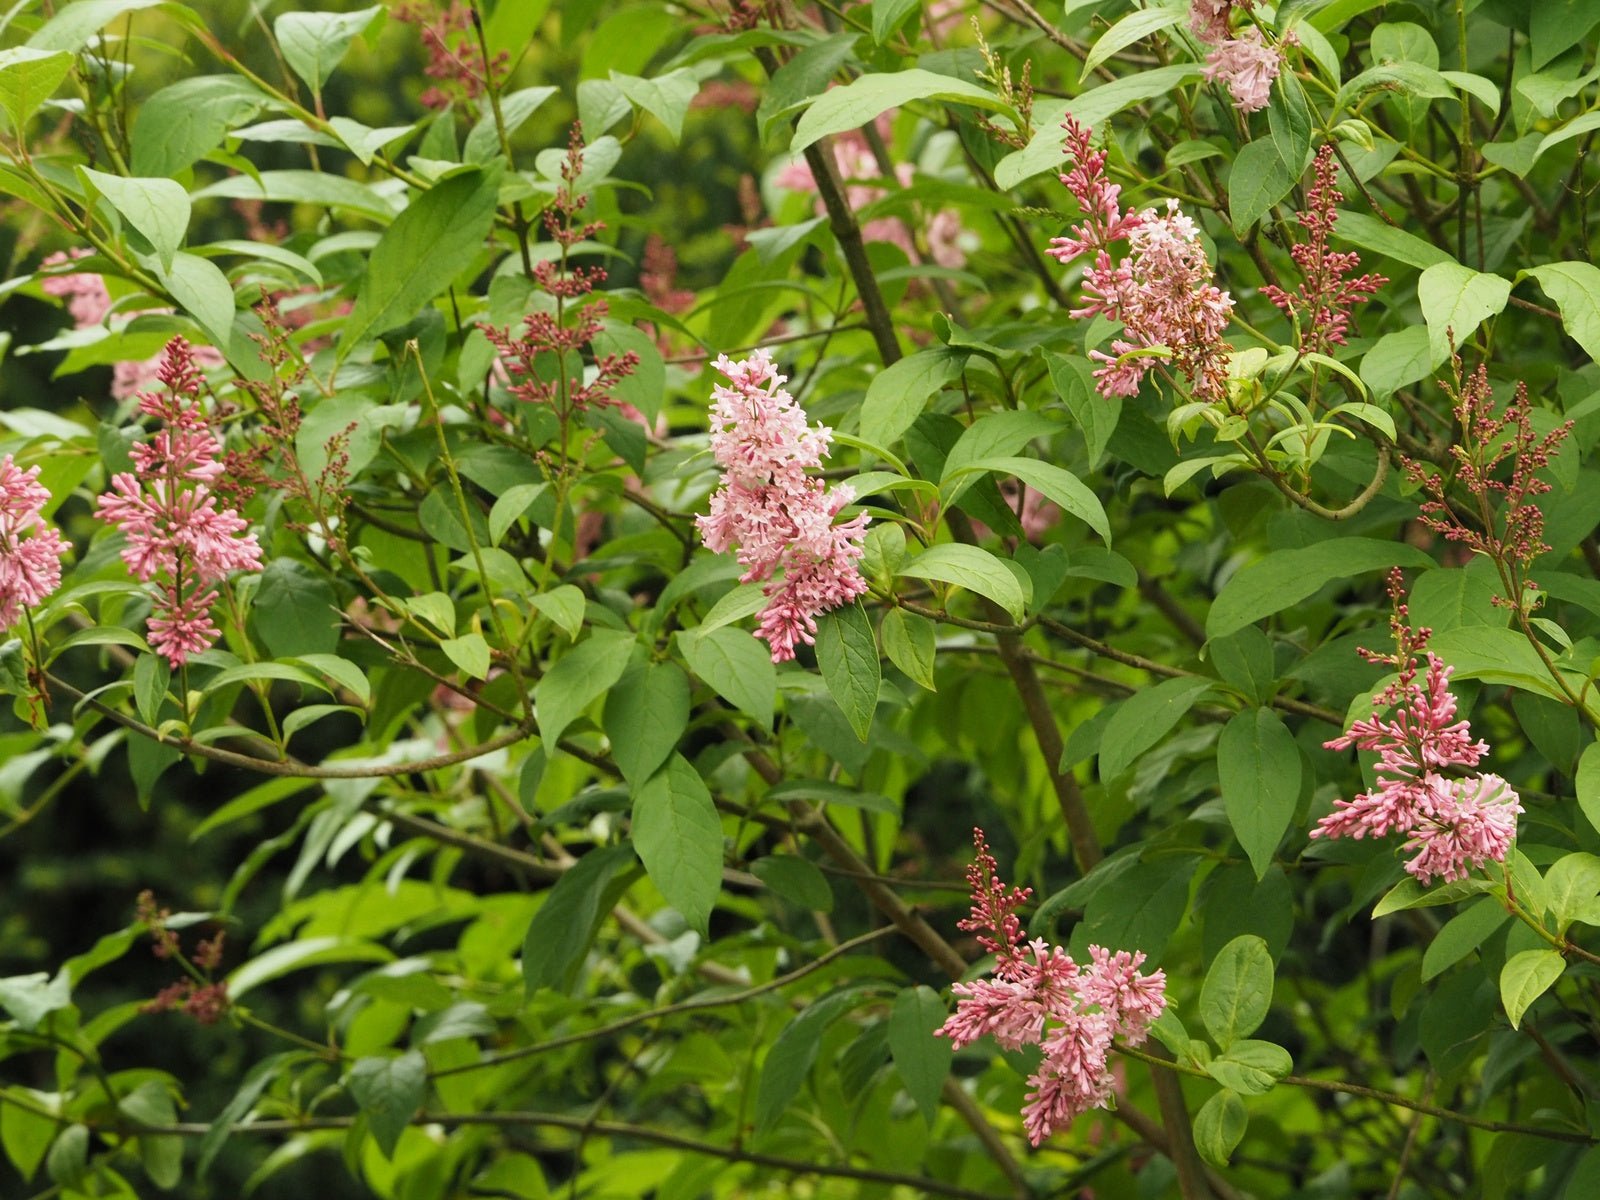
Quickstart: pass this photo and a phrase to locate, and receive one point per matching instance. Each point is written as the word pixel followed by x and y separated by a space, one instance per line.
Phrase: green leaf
pixel 513 23
pixel 887 16
pixel 832 793
pixel 1259 767
pixel 1095 414
pixel 1555 26
pixel 1043 152
pixel 847 654
pixel 297 956
pixel 1130 29
pixel 1462 934
pixel 74 26
pixel 898 394
pixel 294 610
pixel 1587 783
pixel 1143 719
pixel 1455 301
pixel 1285 577
pixel 909 641
pixel 1245 660
pixel 1219 1127
pixel 1397 360
pixel 1370 233
pixel 973 568
pixel 559 936
pixel 645 716
pixel 483 143
pixel 202 291
pixel 1575 287
pixel 28 77
pixel 389 1091
pixel 510 506
pixel 581 676
pixel 1408 77
pixel 1451 598
pixel 314 43
pixel 469 652
pixel 31 998
pixel 68 1159
pixel 678 837
pixel 1573 881
pixel 789 1060
pixel 1251 1067
pixel 418 255
pixel 305 187
pixel 1259 179
pixel 858 103
pixel 1408 893
pixel 745 600
pixel 796 880
pixel 665 97
pixel 1056 484
pixel 921 1059
pixel 1237 991
pixel 24 1134
pixel 737 667
pixel 161 1155
pixel 1526 977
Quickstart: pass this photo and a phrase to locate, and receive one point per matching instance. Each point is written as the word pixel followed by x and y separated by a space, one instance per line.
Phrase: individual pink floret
pixel 781 521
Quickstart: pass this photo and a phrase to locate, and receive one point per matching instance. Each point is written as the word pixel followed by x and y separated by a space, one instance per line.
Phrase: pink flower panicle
pixel 1247 66
pixel 779 518
pixel 1040 996
pixel 1162 291
pixel 1486 442
pixel 1323 303
pixel 1455 822
pixel 30 548
pixel 178 536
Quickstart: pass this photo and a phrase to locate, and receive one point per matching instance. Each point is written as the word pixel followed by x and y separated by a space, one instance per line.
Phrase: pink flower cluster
pixel 89 303
pixel 1040 996
pixel 178 537
pixel 859 170
pixel 1243 63
pixel 1454 822
pixel 30 549
pixel 1162 292
pixel 777 516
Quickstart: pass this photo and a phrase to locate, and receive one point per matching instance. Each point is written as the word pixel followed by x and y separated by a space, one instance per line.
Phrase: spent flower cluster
pixel 179 538
pixel 30 548
pixel 1162 291
pixel 1455 819
pixel 1323 303
pixel 779 518
pixel 1486 442
pixel 537 361
pixel 1040 996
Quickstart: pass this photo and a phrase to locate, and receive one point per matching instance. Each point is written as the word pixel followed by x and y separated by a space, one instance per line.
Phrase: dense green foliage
pixel 507 862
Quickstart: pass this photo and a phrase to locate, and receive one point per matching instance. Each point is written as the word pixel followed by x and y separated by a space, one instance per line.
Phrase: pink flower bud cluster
pixel 1323 303
pixel 178 537
pixel 1243 63
pixel 1162 291
pixel 1454 821
pixel 779 518
pixel 1040 996
pixel 30 549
